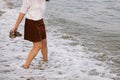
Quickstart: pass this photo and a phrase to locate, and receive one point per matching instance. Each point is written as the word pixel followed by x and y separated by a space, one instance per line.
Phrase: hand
pixel 14 29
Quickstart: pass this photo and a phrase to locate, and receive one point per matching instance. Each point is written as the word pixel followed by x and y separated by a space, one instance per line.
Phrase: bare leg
pixel 37 46
pixel 44 50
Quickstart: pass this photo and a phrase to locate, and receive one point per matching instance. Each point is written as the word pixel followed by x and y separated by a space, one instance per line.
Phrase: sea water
pixel 92 24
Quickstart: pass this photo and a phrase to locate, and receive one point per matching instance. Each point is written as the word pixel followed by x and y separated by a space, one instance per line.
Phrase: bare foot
pixel 25 67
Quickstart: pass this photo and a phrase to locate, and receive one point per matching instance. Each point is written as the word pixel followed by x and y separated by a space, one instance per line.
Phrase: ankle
pixel 45 60
pixel 25 67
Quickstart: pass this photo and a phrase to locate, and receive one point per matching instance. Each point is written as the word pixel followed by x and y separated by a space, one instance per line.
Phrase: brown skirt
pixel 34 30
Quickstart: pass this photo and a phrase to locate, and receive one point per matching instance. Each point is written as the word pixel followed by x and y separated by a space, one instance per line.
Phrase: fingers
pixel 14 30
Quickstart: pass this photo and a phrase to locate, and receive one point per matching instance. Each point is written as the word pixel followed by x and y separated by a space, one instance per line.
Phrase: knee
pixel 44 43
pixel 37 46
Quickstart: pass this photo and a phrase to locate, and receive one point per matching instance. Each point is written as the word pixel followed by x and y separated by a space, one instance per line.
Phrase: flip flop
pixel 13 34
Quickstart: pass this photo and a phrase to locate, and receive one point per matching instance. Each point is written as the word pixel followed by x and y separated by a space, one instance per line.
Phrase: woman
pixel 34 29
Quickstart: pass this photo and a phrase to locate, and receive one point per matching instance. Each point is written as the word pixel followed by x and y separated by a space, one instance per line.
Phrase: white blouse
pixel 34 9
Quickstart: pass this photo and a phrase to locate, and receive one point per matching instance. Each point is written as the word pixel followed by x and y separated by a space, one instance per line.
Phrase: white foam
pixel 2 4
pixel 65 62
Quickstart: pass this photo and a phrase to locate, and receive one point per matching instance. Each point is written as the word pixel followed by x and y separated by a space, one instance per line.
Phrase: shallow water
pixel 93 24
pixel 11 4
